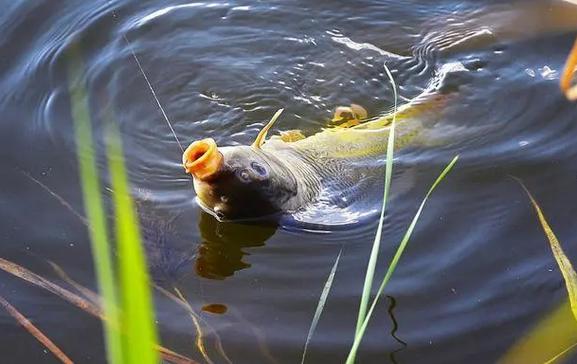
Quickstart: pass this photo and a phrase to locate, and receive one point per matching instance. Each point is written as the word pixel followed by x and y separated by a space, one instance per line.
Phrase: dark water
pixel 476 275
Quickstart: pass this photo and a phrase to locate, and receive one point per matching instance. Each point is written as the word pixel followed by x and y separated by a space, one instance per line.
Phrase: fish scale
pixel 344 164
pixel 330 177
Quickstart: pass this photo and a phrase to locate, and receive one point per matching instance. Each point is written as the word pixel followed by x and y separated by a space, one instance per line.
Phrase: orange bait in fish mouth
pixel 202 158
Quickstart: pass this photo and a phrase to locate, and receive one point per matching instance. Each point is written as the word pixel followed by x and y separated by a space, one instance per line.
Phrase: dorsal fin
pixel 258 142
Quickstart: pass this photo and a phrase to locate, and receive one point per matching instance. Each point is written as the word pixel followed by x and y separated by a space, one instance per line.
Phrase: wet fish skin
pixel 335 165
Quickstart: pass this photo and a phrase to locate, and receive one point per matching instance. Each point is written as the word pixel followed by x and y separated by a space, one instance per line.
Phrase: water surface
pixel 478 272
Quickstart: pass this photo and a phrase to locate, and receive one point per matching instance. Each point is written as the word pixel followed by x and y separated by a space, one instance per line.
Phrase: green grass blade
pixel 359 335
pixel 137 314
pixel 554 359
pixel 91 192
pixel 553 336
pixel 370 274
pixel 321 305
pixel 565 266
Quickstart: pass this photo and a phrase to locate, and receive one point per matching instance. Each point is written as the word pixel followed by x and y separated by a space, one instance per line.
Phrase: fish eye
pixel 259 168
pixel 244 175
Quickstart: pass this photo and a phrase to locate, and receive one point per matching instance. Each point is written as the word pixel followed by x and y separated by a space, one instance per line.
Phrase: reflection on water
pixel 220 252
pixel 402 345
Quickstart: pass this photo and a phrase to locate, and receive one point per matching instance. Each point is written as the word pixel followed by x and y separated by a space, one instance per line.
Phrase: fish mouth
pixel 202 159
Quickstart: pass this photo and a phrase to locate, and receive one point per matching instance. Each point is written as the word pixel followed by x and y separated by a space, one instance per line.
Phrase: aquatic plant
pixel 86 305
pixel 130 333
pixel 549 339
pixel 126 309
pixel 565 266
pixel 392 266
pixel 34 331
pixel 556 334
pixel 364 316
pixel 370 275
pixel 96 218
pixel 321 304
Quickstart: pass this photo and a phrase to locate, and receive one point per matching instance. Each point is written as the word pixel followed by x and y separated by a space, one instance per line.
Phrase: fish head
pixel 238 182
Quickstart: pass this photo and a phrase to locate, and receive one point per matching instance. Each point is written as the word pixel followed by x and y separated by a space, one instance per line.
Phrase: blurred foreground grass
pixel 124 284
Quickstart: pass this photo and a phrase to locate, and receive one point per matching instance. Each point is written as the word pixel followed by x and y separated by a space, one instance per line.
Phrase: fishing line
pixel 152 91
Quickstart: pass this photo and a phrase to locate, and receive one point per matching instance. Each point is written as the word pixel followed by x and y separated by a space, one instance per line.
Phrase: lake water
pixel 478 272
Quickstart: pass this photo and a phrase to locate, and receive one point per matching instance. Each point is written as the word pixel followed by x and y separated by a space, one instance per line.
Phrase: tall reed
pixel 129 329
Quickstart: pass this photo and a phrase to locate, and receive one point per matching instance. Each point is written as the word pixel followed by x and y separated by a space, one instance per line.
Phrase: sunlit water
pixel 478 271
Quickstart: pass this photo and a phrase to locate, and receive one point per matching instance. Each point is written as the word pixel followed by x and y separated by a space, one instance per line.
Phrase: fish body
pixel 369 139
pixel 305 177
pixel 339 169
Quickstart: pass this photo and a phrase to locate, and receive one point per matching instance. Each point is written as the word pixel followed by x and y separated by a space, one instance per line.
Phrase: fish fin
pixel 359 112
pixel 289 136
pixel 348 124
pixel 260 138
pixel 348 116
